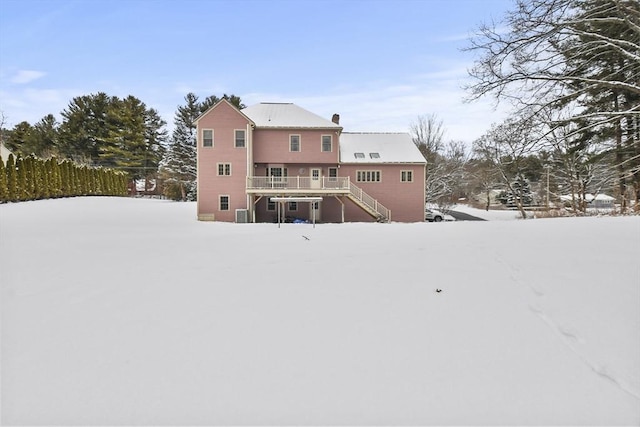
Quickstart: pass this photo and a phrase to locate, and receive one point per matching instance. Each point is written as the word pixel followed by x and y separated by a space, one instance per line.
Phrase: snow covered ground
pixel 130 312
pixel 489 215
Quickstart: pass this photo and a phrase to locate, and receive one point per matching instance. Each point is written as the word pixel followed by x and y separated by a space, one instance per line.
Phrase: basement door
pixel 315 206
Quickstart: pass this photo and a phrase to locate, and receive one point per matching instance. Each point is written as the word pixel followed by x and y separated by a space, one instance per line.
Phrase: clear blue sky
pixel 379 64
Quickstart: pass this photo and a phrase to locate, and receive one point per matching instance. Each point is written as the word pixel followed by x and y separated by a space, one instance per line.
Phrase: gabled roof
pixel 286 115
pixel 378 148
pixel 215 105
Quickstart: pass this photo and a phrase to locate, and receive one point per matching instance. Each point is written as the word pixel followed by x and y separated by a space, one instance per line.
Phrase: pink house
pixel 275 159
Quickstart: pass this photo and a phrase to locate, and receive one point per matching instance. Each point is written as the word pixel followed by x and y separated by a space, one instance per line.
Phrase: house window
pixel 368 176
pixel 271 206
pixel 406 176
pixel 358 155
pixel 240 137
pixel 294 142
pixel 224 169
pixel 224 203
pixel 293 206
pixel 333 174
pixel 326 143
pixel 277 174
pixel 374 155
pixel 207 137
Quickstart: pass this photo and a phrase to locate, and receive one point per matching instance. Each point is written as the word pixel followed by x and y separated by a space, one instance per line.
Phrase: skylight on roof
pixel 359 155
pixel 374 155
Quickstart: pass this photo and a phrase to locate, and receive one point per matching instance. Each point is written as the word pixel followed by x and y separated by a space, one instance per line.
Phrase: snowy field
pixel 130 312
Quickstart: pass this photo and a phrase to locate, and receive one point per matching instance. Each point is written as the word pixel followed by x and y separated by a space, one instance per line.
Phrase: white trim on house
pixel 203 139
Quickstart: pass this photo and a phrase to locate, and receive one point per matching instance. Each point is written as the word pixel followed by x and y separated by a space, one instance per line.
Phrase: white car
pixel 433 215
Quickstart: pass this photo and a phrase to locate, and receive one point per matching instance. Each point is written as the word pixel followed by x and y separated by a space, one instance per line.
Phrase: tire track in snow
pixel 567 336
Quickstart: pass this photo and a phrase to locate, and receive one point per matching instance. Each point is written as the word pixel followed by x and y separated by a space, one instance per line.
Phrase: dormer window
pixel 374 155
pixel 359 155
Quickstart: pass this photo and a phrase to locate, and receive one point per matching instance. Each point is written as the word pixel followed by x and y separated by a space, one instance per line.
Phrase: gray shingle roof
pixel 286 115
pixel 378 148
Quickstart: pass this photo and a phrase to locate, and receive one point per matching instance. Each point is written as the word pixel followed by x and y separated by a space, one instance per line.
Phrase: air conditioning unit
pixel 242 216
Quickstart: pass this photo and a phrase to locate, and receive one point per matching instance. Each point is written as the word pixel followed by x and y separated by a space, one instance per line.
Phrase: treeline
pixel 32 178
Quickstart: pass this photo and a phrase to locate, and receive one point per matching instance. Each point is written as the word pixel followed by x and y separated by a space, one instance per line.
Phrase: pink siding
pixel 404 199
pixel 224 119
pixel 272 146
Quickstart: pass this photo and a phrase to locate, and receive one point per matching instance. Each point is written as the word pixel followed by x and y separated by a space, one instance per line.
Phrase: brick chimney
pixel 336 119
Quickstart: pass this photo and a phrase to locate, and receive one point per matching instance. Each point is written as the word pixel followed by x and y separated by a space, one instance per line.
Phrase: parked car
pixel 433 215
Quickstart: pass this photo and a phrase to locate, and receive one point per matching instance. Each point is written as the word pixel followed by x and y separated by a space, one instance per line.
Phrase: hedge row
pixel 31 178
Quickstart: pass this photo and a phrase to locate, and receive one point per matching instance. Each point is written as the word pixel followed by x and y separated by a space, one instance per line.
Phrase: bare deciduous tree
pixel 566 53
pixel 505 147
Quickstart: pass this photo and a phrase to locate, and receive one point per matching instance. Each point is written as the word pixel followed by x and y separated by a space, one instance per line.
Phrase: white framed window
pixel 368 176
pixel 224 203
pixel 240 138
pixel 327 145
pixel 277 174
pixel 271 206
pixel 406 176
pixel 374 155
pixel 224 169
pixel 333 174
pixel 358 155
pixel 207 137
pixel 293 206
pixel 294 142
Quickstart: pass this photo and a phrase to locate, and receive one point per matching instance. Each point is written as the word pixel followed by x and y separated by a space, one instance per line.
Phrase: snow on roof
pixel 285 115
pixel 589 197
pixel 378 148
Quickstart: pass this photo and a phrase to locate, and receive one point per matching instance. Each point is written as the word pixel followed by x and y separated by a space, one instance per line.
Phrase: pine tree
pixel 179 167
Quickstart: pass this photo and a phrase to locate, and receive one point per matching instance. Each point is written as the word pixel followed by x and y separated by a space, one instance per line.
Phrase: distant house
pixel 4 152
pixel 145 187
pixel 599 201
pixel 278 158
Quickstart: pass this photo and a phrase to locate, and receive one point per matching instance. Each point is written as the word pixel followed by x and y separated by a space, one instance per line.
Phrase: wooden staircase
pixel 368 204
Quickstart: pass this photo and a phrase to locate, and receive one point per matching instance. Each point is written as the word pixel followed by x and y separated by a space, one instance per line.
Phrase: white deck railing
pixel 321 185
pixel 369 201
pixel 297 183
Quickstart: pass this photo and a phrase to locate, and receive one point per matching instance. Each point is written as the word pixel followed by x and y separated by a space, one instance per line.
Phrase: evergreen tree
pixel 85 127
pixel 4 194
pixel 12 180
pixel 65 178
pixel 30 182
pixel 22 190
pixel 179 168
pixel 45 137
pixel 47 179
pixel 37 178
pixel 20 140
pixel 519 193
